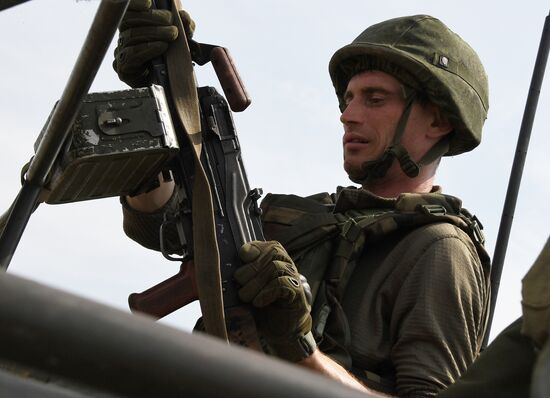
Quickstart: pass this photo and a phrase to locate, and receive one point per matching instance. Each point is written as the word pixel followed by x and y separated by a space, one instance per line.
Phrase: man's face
pixel 375 103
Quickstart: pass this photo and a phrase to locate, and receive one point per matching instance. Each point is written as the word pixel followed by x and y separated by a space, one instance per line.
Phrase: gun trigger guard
pixel 170 220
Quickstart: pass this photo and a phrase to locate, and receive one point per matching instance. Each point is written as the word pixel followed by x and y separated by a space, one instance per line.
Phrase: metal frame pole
pixel 517 169
pixel 96 44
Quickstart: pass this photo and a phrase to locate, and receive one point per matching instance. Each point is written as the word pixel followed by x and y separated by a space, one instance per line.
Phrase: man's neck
pixel 396 183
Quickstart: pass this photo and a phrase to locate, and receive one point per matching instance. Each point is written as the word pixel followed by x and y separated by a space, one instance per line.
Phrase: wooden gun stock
pixel 167 296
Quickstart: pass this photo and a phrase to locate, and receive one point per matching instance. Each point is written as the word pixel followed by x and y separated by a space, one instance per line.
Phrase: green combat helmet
pixel 429 59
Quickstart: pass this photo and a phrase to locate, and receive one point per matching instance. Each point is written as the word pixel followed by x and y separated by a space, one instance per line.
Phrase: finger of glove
pixel 145 18
pixel 249 252
pixel 258 278
pixel 275 265
pixel 307 289
pixel 264 257
pixel 262 251
pixel 136 79
pixel 146 34
pixel 134 58
pixel 284 288
pixel 188 23
pixel 139 5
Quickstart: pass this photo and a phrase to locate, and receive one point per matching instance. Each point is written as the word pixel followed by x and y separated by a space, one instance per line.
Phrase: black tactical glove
pixel 271 282
pixel 144 35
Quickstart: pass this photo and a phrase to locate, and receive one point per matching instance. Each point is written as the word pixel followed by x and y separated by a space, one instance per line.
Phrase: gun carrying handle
pixel 230 80
pixel 167 296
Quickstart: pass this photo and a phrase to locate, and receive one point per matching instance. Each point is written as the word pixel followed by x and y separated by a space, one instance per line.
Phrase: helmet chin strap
pixel 376 169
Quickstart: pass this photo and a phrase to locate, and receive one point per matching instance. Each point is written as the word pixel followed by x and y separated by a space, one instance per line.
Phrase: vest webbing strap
pixel 308 223
pixel 205 246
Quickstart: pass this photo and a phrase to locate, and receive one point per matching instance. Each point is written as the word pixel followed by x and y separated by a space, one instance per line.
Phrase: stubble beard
pixel 354 171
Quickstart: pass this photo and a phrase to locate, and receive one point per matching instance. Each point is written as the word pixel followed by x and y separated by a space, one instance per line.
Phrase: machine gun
pixel 120 141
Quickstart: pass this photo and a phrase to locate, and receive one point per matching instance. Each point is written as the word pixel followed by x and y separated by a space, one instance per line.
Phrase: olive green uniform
pixel 415 303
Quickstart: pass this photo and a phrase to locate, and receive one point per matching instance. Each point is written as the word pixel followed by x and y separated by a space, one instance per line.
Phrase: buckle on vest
pixel 321 323
pixel 477 228
pixel 350 230
pixel 437 210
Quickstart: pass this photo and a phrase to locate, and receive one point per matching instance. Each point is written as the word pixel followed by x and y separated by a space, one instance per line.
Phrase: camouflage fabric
pixel 434 60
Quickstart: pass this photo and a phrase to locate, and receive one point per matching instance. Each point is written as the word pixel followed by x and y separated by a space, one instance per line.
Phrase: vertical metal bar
pixel 96 44
pixel 20 212
pixel 517 169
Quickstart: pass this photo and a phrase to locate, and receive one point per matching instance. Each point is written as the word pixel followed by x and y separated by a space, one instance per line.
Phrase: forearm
pixel 326 366
pixel 151 201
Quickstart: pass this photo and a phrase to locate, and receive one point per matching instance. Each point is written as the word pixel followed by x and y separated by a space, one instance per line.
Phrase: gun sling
pixel 206 256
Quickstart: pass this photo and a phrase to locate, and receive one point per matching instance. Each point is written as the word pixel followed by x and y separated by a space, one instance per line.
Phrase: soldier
pixel 400 290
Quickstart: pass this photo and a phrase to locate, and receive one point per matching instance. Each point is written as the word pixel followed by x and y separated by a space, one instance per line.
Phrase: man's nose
pixel 349 115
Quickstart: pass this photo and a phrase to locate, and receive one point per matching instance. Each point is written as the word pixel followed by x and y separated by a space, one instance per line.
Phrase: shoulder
pixel 439 251
pixel 440 236
pixel 305 203
pixel 297 222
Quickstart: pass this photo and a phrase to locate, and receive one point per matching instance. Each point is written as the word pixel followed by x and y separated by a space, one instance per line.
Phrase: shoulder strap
pixel 299 222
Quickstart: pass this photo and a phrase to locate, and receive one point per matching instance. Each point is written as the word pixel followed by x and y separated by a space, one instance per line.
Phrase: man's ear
pixel 440 125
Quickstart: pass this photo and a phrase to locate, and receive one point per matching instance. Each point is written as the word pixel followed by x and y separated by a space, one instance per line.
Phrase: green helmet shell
pixel 446 68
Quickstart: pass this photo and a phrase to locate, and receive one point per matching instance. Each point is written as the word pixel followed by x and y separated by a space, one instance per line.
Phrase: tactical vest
pixel 325 245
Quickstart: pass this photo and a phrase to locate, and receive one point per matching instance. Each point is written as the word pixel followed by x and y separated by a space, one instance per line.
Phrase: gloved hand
pixel 145 34
pixel 271 282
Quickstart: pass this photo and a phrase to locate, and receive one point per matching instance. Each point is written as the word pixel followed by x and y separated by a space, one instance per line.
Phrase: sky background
pixel 290 135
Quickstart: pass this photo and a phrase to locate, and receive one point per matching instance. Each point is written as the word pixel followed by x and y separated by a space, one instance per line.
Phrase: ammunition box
pixel 119 143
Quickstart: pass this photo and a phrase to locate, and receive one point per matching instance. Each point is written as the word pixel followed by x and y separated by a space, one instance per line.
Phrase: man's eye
pixel 375 100
pixel 347 100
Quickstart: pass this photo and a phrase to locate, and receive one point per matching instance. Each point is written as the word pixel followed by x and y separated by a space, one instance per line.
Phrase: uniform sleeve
pixel 439 314
pixel 144 228
pixel 503 370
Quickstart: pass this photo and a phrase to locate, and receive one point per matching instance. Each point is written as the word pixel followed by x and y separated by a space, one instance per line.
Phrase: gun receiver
pixel 209 173
pixel 237 215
